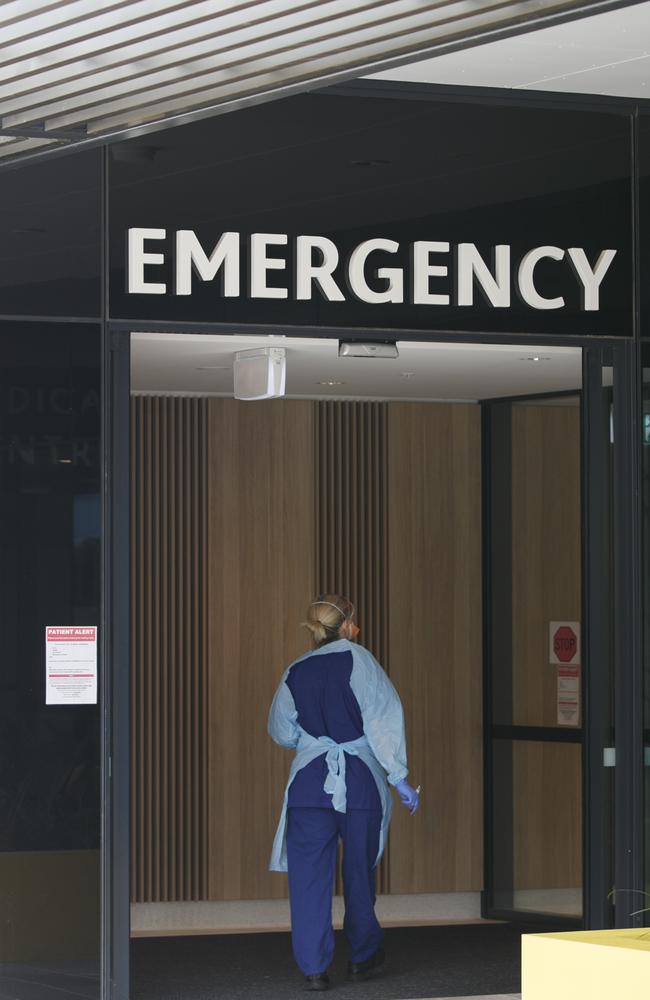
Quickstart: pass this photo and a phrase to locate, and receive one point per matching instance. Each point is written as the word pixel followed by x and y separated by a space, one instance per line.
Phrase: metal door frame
pixel 629 792
pixel 611 602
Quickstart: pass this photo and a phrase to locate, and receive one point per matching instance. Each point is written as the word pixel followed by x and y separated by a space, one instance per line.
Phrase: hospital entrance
pixel 441 489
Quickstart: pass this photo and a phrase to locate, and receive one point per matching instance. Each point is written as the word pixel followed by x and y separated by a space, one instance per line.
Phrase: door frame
pixel 613 816
pixel 116 613
pixel 496 423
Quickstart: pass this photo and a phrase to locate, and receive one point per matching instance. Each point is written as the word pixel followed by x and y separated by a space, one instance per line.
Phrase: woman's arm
pixel 283 725
pixel 382 714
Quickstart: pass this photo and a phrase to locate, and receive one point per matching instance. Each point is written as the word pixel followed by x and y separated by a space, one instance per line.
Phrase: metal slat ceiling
pixel 76 70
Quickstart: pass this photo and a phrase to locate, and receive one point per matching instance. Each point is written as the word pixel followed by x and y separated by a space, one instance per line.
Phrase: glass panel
pixel 646 616
pixel 644 292
pixel 534 603
pixel 49 577
pixel 546 563
pixel 536 575
pixel 50 215
pixel 644 222
pixel 538 827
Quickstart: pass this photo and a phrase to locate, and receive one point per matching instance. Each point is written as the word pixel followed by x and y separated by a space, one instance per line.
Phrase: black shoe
pixel 319 981
pixel 362 970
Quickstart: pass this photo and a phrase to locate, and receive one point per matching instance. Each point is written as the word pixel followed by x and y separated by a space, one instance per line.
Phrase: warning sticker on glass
pixel 71 665
pixel 568 695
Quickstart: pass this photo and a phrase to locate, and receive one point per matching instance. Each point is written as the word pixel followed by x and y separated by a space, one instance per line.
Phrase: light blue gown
pixel 382 746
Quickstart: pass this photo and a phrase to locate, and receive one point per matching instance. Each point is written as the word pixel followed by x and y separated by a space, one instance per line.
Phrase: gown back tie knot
pixel 335 759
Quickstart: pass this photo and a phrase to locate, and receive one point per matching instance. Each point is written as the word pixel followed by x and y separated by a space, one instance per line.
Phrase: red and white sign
pixel 564 642
pixel 564 650
pixel 568 695
pixel 71 665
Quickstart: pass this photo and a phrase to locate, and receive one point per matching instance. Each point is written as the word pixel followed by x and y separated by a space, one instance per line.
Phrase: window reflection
pixel 49 575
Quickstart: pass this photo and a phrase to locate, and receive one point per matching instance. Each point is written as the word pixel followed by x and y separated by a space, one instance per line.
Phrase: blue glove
pixel 409 796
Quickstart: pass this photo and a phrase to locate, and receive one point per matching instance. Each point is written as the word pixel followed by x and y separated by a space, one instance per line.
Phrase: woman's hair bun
pixel 325 616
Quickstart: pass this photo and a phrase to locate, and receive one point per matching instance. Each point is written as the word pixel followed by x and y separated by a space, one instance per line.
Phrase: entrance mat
pixel 443 961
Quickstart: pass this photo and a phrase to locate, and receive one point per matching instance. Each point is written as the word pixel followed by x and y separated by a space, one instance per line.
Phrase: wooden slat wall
pixel 352 512
pixel 169 649
pixel 262 576
pixel 381 501
pixel 434 495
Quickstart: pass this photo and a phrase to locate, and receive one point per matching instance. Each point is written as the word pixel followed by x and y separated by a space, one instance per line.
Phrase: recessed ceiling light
pixel 330 382
pixel 535 357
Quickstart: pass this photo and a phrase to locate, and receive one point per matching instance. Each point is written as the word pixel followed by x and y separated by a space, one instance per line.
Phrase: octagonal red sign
pixel 565 643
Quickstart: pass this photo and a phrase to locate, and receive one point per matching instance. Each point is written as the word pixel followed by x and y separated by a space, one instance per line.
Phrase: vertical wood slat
pixel 352 556
pixel 352 553
pixel 169 675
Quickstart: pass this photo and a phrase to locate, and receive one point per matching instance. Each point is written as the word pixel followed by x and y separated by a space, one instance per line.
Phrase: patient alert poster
pixel 564 651
pixel 71 665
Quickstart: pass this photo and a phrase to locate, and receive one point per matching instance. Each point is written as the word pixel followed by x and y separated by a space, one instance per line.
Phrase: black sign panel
pixel 388 213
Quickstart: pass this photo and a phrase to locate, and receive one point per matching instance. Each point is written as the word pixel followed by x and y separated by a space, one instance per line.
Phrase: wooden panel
pixel 352 517
pixel 352 511
pixel 546 549
pixel 169 649
pixel 547 815
pixel 397 525
pixel 262 575
pixel 435 640
pixel 546 586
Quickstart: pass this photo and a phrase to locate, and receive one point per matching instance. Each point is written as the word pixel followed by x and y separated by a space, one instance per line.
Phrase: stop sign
pixel 565 643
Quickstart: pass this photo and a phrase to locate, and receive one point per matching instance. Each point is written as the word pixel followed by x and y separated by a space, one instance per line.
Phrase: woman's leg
pixel 360 832
pixel 312 836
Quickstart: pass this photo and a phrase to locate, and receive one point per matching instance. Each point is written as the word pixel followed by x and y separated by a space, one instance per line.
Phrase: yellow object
pixel 586 965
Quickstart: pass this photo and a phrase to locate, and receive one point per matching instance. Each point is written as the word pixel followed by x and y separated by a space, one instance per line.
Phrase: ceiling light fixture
pixel 330 381
pixel 535 357
pixel 355 349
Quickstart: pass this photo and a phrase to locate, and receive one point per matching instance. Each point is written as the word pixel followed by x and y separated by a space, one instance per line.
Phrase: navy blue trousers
pixel 312 838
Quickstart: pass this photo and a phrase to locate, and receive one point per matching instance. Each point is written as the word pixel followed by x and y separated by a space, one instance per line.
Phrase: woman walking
pixel 337 708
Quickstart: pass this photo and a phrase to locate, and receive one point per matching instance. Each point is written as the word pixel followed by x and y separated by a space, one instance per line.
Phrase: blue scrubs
pixel 341 694
pixel 312 838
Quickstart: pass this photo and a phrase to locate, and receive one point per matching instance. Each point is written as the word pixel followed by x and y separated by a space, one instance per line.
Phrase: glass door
pixel 560 650
pixel 534 617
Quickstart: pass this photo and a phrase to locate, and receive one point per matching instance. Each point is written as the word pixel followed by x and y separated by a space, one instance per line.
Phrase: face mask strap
pixel 346 618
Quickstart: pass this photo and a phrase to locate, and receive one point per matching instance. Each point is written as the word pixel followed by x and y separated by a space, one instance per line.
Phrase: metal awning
pixel 76 71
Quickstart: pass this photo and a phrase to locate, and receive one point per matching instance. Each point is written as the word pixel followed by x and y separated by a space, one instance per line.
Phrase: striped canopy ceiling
pixel 76 70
